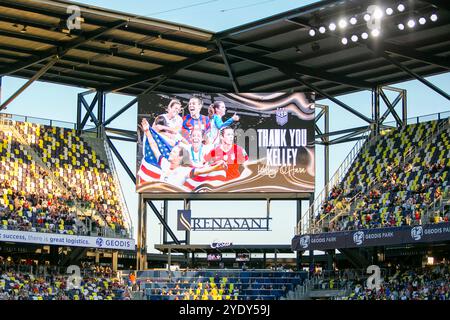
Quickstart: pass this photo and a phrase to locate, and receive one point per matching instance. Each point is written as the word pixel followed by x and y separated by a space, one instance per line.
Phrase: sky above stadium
pixel 59 103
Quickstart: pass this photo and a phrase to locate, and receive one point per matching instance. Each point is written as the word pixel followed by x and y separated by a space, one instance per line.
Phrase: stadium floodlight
pixel 364 35
pixel 411 23
pixel 322 30
pixel 353 20
pixel 344 41
pixel 401 7
pixel 389 11
pixel 312 32
pixel 433 17
pixel 378 13
pixel 354 38
pixel 401 26
pixel 342 23
pixel 422 21
pixel 375 33
pixel 332 26
pixel 367 17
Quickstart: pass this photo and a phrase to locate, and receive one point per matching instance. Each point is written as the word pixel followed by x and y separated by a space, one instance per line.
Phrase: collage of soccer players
pixel 190 143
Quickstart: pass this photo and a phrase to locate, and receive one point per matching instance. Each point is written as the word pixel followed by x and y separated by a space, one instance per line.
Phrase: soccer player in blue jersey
pixel 194 119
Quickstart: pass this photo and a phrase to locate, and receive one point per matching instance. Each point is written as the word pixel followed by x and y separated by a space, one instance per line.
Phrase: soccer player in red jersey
pixel 232 154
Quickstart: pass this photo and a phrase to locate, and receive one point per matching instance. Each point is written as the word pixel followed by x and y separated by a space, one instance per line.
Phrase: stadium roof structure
pixel 119 52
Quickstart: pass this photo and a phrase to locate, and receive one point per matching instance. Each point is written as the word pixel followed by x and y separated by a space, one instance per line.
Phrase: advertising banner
pixel 66 240
pixel 373 237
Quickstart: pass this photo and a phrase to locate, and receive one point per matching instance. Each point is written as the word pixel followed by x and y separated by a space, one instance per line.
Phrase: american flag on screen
pixel 150 169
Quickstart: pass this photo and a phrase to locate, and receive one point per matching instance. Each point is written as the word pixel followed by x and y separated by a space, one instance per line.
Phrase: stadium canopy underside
pixel 117 52
pixel 230 249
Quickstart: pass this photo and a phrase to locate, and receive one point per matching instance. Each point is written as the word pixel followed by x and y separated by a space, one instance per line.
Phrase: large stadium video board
pixel 225 143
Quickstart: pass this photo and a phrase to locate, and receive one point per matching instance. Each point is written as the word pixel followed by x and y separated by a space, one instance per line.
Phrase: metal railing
pixel 42 121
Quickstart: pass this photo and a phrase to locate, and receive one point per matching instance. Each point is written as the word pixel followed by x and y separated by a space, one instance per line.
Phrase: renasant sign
pixel 225 143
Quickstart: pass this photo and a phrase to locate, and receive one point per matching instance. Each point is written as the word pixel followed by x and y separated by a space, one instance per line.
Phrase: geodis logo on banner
pixel 417 233
pixel 305 241
pixel 358 238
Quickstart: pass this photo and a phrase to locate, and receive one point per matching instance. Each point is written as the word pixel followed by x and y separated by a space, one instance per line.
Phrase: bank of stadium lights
pixel 322 29
pixel 332 26
pixel 367 17
pixel 342 23
pixel 411 23
pixel 389 11
pixel 401 7
pixel 434 17
pixel 422 21
pixel 344 41
pixel 354 38
pixel 312 32
pixel 364 35
pixel 401 26
pixel 353 20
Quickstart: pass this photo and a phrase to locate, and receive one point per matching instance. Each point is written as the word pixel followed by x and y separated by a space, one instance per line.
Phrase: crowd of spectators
pixel 387 202
pixel 430 283
pixel 31 200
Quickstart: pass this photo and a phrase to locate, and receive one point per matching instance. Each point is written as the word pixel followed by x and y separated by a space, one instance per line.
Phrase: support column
pixel 187 206
pixel 166 219
pixel 276 258
pixel 264 260
pixel 327 148
pixel 141 254
pixel 78 124
pixel 100 113
pixel 115 259
pixel 404 108
pixel 298 259
pixel 311 203
pixel 376 111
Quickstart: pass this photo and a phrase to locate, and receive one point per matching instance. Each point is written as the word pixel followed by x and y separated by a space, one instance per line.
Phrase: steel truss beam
pixel 61 50
pixel 413 74
pixel 303 70
pixel 163 222
pixel 89 109
pixel 165 72
pixel 40 73
pixel 119 157
pixel 228 67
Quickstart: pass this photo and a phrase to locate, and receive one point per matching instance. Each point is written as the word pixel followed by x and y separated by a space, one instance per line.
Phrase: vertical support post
pixel 268 213
pixel 404 108
pixel 276 259
pixel 327 149
pixel 264 260
pixel 78 126
pixel 311 203
pixel 298 258
pixel 141 254
pixel 169 259
pixel 376 111
pixel 115 258
pixel 330 256
pixel 100 113
pixel 166 219
pixel 187 206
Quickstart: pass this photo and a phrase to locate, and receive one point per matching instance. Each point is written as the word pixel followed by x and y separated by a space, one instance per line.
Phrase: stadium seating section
pixel 393 181
pixel 51 180
pixel 25 286
pixel 219 284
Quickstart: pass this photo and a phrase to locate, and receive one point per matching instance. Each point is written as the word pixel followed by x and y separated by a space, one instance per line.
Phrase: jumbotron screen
pixel 222 143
